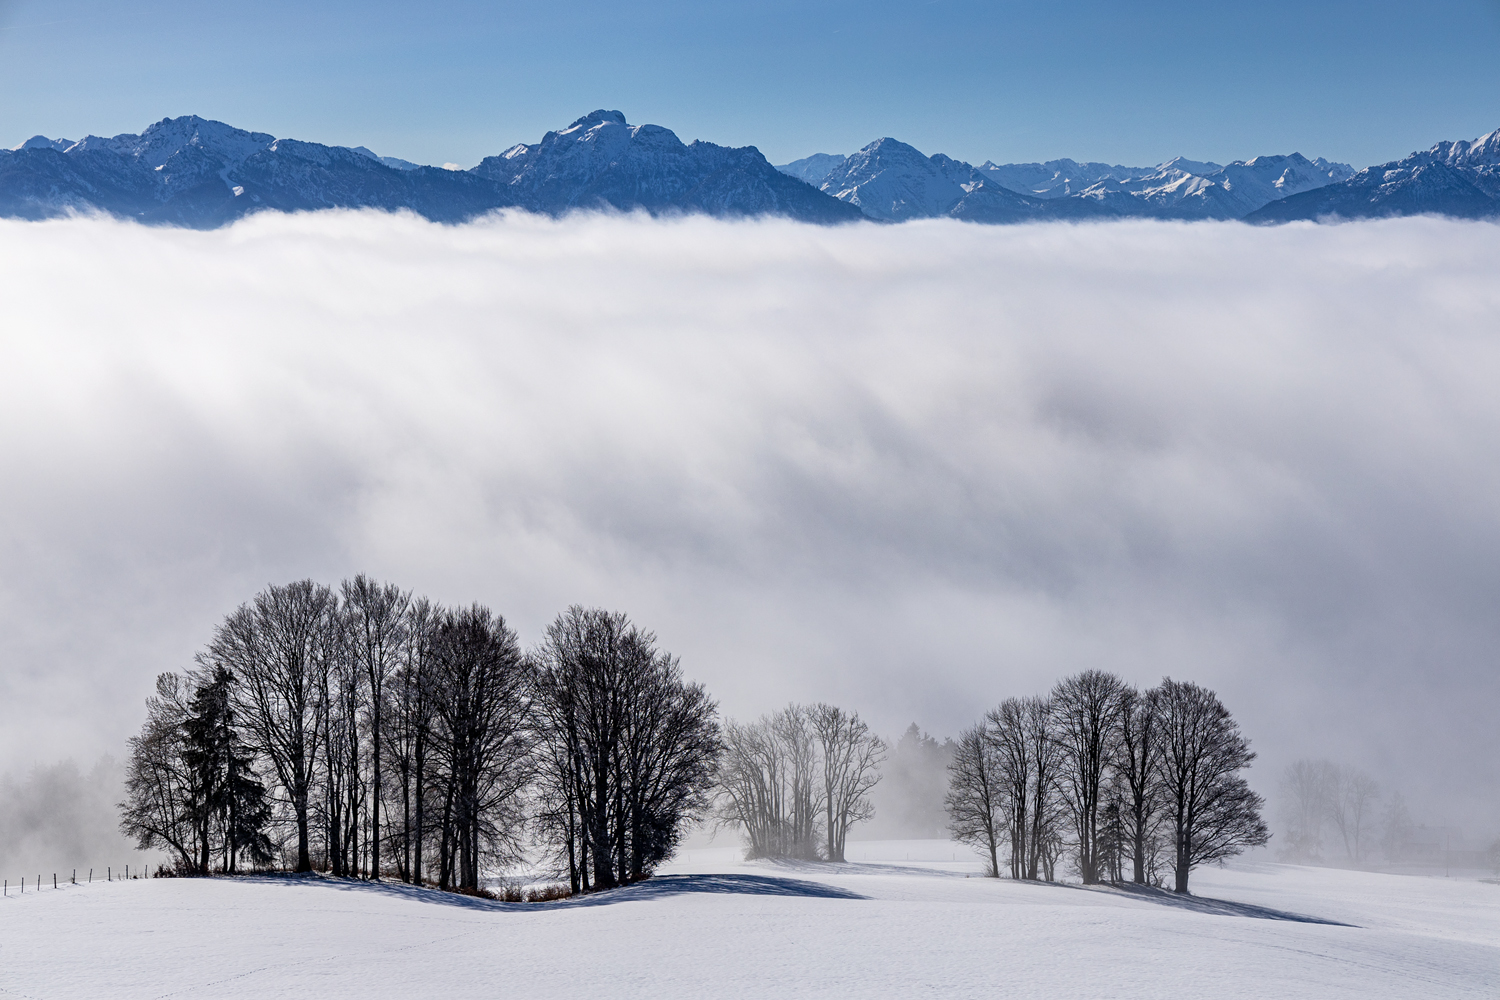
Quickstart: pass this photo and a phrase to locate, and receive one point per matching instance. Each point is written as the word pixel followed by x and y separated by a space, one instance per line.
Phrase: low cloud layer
pixel 909 469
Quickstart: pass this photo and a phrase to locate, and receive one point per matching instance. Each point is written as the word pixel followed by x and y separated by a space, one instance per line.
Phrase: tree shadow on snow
pixel 1203 904
pixel 856 868
pixel 656 887
pixel 659 886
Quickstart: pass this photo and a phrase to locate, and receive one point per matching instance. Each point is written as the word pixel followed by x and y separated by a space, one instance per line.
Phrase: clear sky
pixel 455 80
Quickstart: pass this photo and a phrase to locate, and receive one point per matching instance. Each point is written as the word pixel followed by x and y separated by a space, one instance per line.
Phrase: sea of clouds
pixel 910 469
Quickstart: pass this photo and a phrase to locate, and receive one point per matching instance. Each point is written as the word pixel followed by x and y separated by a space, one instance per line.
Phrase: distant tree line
pixel 1107 778
pixel 364 732
pixel 1318 796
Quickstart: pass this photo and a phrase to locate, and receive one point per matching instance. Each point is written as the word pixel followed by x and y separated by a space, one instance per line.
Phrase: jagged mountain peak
pixel 198 171
pixel 596 118
pixel 603 161
pixel 160 141
pixel 1200 167
pixel 1460 179
pixel 1480 152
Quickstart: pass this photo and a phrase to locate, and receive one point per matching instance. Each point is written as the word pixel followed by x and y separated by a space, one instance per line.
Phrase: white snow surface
pixel 899 919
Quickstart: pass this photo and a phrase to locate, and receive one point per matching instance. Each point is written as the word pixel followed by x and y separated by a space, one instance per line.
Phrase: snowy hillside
pixel 901 919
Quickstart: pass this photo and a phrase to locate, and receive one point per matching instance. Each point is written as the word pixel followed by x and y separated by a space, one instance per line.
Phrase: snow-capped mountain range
pixel 195 172
pixel 1460 179
pixel 892 181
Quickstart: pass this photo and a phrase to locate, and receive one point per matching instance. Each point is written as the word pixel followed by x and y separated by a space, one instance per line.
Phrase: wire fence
pixel 42 884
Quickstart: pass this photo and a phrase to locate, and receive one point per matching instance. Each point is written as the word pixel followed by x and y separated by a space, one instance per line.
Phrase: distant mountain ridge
pixel 892 181
pixel 1459 179
pixel 201 173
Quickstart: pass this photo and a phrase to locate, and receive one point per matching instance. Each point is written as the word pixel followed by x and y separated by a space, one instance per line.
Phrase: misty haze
pixel 897 554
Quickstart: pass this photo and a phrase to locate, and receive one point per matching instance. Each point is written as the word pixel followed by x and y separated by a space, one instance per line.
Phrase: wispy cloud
pixel 912 469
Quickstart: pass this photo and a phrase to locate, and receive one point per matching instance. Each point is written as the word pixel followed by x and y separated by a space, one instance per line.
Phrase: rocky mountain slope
pixel 199 173
pixel 195 172
pixel 602 161
pixel 1460 179
pixel 892 181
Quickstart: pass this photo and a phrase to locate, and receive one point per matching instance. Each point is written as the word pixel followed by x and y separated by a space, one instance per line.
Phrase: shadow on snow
pixel 1200 904
pixel 656 887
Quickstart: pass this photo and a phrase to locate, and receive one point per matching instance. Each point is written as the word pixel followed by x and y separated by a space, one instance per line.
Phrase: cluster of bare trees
pixel 366 732
pixel 1106 775
pixel 1319 794
pixel 796 781
pixel 628 750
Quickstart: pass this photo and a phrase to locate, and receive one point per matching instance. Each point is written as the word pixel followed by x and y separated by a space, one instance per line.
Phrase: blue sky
pixel 455 80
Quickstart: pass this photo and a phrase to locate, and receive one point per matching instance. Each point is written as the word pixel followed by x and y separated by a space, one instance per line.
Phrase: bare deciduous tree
pixel 1006 731
pixel 1352 798
pixel 1085 726
pixel 1306 795
pixel 769 784
pixel 850 757
pixel 1212 811
pixel 1136 764
pixel 481 740
pixel 377 626
pixel 976 797
pixel 628 749
pixel 158 783
pixel 279 648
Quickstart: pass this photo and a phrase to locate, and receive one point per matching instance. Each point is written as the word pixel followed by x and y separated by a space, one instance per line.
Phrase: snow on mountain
pixel 394 162
pixel 1229 192
pixel 891 181
pixel 1200 167
pixel 196 172
pixel 1056 178
pixel 1460 179
pixel 813 169
pixel 42 142
pixel 603 161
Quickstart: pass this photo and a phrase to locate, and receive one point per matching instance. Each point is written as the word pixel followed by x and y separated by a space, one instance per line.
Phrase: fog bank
pixel 911 470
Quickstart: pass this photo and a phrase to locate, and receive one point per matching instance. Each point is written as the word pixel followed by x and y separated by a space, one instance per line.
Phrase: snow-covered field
pixel 900 919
